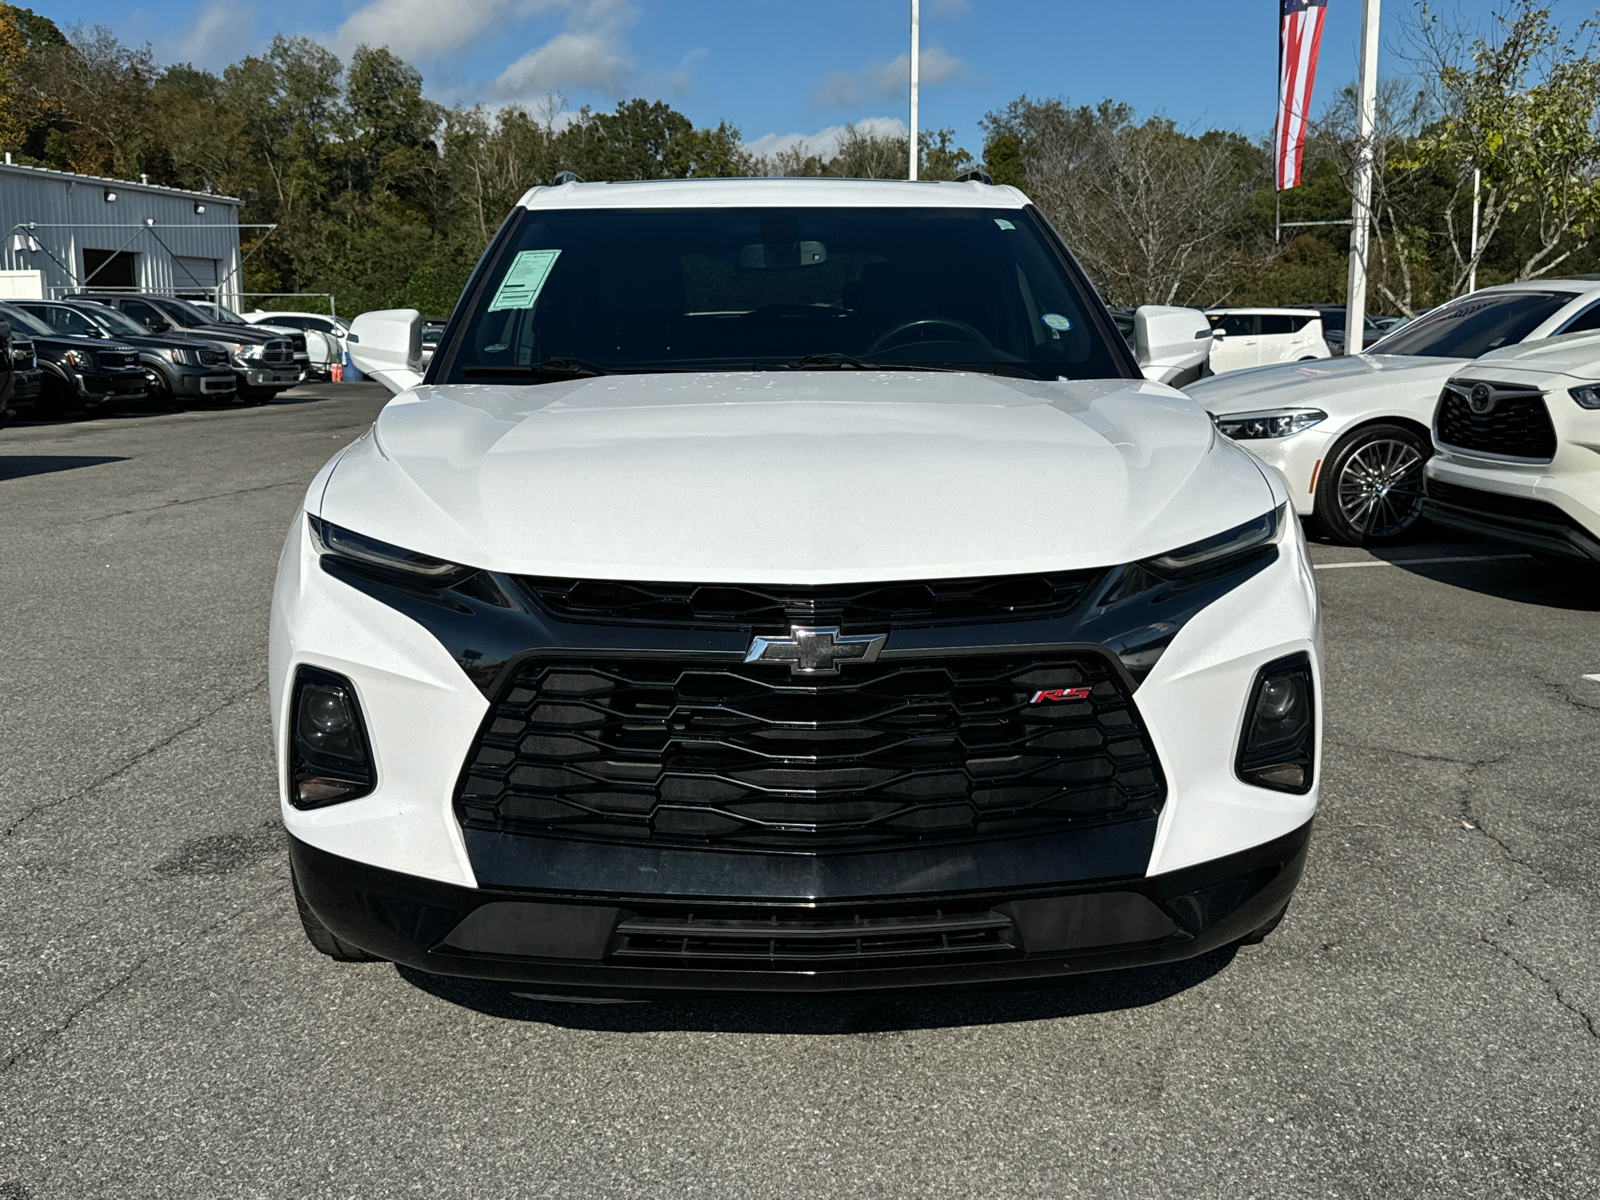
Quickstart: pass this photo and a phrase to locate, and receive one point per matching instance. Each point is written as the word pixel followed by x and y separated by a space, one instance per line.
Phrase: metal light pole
pixel 1355 315
pixel 915 39
pixel 1472 272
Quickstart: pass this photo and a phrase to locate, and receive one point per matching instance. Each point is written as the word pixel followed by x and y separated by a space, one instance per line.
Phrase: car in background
pixel 317 352
pixel 1253 337
pixel 8 374
pixel 177 370
pixel 264 363
pixel 26 377
pixel 1333 326
pixel 79 374
pixel 1351 434
pixel 432 332
pixel 326 336
pixel 1513 437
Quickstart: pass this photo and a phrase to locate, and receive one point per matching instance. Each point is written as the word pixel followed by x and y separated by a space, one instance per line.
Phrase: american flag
pixel 1298 39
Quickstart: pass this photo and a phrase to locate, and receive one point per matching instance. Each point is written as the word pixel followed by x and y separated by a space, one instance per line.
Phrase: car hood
pixel 1351 385
pixel 793 477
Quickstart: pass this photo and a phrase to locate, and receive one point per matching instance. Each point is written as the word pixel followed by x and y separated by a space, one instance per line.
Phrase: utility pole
pixel 915 39
pixel 1472 271
pixel 1355 312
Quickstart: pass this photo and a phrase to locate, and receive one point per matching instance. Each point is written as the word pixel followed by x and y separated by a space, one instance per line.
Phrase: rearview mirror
pixel 390 343
pixel 1171 344
pixel 774 256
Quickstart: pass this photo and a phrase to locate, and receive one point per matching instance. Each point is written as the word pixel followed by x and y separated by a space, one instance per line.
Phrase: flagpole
pixel 1355 314
pixel 915 39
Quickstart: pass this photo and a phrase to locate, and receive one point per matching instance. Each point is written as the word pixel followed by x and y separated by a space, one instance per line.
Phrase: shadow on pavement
pixel 1075 996
pixel 19 466
pixel 1506 574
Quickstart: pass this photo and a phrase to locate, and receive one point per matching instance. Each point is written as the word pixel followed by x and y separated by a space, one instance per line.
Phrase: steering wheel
pixel 968 334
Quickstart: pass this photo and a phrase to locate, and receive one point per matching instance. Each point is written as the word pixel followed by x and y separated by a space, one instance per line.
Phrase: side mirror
pixel 349 337
pixel 1171 344
pixel 1218 333
pixel 391 347
pixel 157 325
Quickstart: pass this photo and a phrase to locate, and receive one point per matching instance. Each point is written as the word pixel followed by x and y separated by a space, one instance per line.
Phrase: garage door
pixel 189 274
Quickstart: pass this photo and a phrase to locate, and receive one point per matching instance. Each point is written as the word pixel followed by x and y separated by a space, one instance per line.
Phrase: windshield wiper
pixel 550 368
pixel 833 358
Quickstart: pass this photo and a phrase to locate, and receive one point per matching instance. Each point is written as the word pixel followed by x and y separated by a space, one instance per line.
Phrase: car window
pixel 120 323
pixel 62 320
pixel 761 288
pixel 146 314
pixel 1474 325
pixel 22 319
pixel 1275 323
pixel 1235 324
pixel 1333 322
pixel 286 322
pixel 1585 322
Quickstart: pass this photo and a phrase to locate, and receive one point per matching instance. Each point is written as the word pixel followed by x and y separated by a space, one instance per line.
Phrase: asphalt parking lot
pixel 1426 1022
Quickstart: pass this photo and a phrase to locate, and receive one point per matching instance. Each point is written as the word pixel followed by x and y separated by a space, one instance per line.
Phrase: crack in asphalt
pixel 121 981
pixel 34 810
pixel 127 512
pixel 1555 988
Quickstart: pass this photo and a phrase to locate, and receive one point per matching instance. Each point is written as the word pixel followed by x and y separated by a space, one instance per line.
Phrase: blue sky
pixel 779 68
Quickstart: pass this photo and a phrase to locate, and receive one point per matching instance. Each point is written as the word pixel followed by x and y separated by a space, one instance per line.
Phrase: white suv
pixel 1514 437
pixel 789 585
pixel 1254 337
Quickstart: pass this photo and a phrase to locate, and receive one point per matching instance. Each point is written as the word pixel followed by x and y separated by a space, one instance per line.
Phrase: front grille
pixel 118 360
pixel 22 357
pixel 277 352
pixel 1517 426
pixel 1498 504
pixel 211 358
pixel 807 940
pixel 856 606
pixel 746 754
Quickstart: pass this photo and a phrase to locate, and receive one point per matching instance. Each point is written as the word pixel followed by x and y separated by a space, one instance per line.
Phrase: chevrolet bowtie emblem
pixel 816 651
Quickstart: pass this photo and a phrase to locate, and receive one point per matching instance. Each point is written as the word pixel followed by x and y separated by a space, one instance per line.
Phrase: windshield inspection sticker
pixel 525 280
pixel 1057 322
pixel 1003 223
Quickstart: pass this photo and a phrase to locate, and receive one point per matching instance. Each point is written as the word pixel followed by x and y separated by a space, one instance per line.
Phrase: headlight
pixel 1587 397
pixel 1222 551
pixel 255 351
pixel 329 756
pixel 1274 423
pixel 1280 728
pixel 370 556
pixel 182 357
pixel 81 358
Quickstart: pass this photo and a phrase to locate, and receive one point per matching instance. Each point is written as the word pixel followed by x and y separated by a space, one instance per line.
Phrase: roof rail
pixel 976 175
pixel 566 177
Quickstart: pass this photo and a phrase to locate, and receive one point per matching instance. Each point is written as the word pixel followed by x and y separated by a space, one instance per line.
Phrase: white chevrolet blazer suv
pixel 788 585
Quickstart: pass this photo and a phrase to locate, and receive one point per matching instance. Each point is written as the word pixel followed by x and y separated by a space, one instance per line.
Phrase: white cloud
pixel 825 142
pixel 887 80
pixel 588 54
pixel 420 29
pixel 223 32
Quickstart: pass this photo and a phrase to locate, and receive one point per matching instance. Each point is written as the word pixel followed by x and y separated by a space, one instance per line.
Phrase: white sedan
pixel 1351 434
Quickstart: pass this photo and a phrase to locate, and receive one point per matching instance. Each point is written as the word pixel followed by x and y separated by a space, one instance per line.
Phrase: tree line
pixel 385 198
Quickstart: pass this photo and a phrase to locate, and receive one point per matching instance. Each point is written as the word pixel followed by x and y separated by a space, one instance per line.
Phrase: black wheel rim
pixel 1380 487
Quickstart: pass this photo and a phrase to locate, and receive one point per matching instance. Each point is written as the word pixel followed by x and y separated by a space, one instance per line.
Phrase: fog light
pixel 329 756
pixel 1279 742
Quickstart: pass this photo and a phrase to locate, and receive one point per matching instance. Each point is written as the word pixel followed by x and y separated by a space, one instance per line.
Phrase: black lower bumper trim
pixel 648 946
pixel 1551 536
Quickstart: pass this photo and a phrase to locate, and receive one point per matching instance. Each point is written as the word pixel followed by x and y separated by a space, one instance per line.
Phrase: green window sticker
pixel 1003 223
pixel 525 280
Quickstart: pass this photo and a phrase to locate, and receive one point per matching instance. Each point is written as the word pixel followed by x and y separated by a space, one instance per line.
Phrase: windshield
pixel 226 316
pixel 26 320
pixel 1474 325
pixel 758 288
pixel 181 312
pixel 118 322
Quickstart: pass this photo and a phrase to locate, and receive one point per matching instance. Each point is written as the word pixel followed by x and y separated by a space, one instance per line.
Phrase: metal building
pixel 64 232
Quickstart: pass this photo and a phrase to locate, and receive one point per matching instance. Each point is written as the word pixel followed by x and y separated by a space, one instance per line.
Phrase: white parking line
pixel 1404 562
pixel 1593 678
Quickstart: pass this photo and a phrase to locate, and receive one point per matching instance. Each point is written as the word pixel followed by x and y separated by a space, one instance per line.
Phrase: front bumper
pixel 638 946
pixel 111 387
pixel 1529 506
pixel 269 377
pixel 203 381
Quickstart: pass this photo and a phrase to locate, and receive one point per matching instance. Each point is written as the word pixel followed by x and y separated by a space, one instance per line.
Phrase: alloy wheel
pixel 1380 488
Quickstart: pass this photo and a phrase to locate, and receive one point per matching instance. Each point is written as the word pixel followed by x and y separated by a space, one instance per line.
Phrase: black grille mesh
pixel 746 754
pixel 118 360
pixel 1518 425
pixel 761 608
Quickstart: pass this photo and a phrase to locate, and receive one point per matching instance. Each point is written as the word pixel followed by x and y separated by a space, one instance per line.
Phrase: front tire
pixel 321 937
pixel 1370 490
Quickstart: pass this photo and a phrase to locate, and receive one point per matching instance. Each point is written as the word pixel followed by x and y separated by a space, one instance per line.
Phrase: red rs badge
pixel 1061 694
